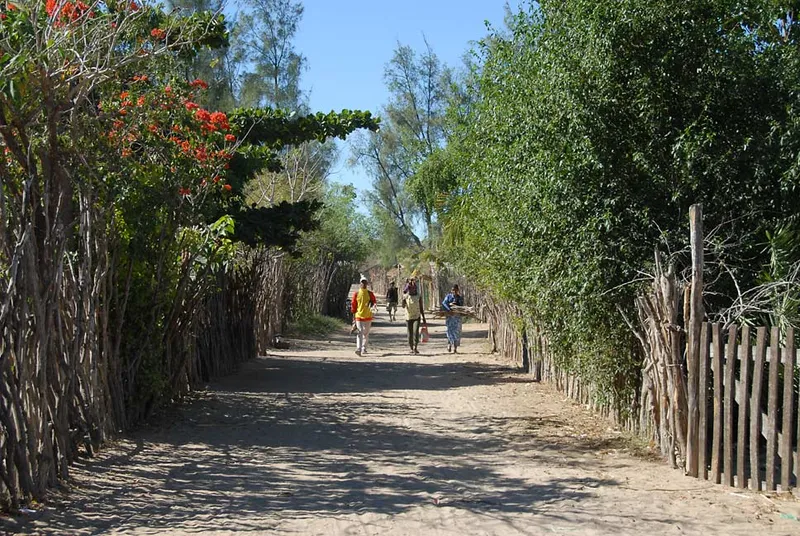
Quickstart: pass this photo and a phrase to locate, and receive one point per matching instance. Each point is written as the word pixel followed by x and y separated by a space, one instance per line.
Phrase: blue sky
pixel 347 43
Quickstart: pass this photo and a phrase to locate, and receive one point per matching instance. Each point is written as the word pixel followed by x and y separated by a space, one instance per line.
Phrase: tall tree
pixel 413 129
pixel 264 43
pixel 597 125
pixel 217 67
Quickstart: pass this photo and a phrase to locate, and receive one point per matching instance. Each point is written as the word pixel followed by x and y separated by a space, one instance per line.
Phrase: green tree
pixel 596 126
pixel 214 66
pixel 121 209
pixel 413 129
pixel 264 45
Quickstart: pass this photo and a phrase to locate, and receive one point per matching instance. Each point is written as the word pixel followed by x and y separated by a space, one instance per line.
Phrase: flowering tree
pixel 119 197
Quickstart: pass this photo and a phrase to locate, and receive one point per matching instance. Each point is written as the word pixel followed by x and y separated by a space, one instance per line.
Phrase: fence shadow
pixel 298 438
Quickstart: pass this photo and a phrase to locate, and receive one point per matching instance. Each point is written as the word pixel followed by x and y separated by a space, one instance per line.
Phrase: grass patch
pixel 316 326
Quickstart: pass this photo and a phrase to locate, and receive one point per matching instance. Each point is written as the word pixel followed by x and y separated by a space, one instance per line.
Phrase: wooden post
pixel 755 407
pixel 716 440
pixel 788 390
pixel 727 428
pixel 744 400
pixel 695 326
pixel 702 404
pixel 772 406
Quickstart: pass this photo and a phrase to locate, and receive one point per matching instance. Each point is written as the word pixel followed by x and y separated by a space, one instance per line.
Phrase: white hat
pixel 363 278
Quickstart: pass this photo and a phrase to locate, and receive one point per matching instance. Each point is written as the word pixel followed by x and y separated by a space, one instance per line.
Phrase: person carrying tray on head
pixel 453 321
pixel 412 302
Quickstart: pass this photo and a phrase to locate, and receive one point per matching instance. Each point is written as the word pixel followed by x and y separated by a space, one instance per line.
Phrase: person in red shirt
pixel 361 307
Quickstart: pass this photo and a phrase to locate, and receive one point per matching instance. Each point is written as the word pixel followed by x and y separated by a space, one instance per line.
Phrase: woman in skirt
pixel 453 321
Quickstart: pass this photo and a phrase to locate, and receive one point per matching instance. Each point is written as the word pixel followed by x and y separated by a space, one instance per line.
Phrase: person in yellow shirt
pixel 361 307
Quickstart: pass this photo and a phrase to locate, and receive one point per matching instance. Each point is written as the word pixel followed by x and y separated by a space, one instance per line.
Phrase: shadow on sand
pixel 293 438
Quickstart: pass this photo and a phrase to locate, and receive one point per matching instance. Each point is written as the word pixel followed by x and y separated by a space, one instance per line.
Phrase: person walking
pixel 391 300
pixel 361 307
pixel 412 301
pixel 453 320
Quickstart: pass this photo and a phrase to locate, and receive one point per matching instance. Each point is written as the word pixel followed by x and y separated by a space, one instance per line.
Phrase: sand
pixel 316 440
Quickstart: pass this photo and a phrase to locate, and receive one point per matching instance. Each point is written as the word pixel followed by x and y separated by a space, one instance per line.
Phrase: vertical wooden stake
pixel 755 407
pixel 744 400
pixel 727 427
pixel 702 403
pixel 694 325
pixel 789 357
pixel 719 348
pixel 772 406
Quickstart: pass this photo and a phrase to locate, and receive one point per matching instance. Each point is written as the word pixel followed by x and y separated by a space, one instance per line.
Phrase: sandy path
pixel 316 440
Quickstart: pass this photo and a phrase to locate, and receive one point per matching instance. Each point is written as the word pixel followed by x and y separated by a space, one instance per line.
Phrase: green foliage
pixel 101 111
pixel 316 326
pixel 344 234
pixel 274 129
pixel 265 30
pixel 278 226
pixel 592 128
pixel 414 129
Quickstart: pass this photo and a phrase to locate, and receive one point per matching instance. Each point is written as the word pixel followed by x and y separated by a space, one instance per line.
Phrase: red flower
pixel 127 103
pixel 185 191
pixel 201 115
pixel 191 106
pixel 219 118
pixel 230 137
pixel 158 33
pixel 168 90
pixel 227 187
pixel 176 128
pixel 153 128
pixel 3 16
pixel 118 124
pixel 199 83
pixel 186 146
pixel 216 179
pixel 126 153
pixel 123 95
pixel 134 6
pixel 140 101
pixel 123 112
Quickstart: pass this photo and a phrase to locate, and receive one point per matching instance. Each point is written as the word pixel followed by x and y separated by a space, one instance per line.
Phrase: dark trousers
pixel 413 332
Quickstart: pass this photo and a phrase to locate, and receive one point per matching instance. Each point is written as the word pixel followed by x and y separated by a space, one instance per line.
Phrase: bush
pixel 315 326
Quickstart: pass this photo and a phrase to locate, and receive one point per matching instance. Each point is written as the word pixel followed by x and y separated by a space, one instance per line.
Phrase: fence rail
pixel 749 411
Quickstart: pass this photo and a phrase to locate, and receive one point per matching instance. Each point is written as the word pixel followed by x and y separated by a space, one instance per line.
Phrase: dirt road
pixel 317 440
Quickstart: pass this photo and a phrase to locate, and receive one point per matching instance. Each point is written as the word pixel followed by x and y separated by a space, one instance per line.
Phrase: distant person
pixel 453 321
pixel 361 307
pixel 415 313
pixel 391 300
pixel 411 286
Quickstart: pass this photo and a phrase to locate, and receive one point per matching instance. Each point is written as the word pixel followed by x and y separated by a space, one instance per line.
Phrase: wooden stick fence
pixel 749 408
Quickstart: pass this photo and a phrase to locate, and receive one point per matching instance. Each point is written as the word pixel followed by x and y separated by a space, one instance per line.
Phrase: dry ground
pixel 316 440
